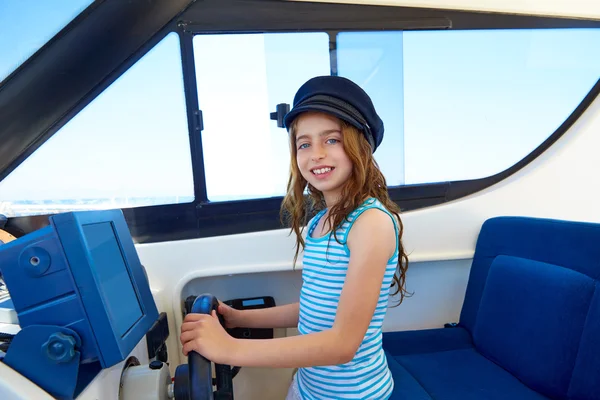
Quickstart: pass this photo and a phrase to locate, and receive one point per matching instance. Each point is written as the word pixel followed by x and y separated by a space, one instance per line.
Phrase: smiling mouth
pixel 321 171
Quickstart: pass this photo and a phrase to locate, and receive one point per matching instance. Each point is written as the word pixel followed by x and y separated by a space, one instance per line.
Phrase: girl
pixel 351 252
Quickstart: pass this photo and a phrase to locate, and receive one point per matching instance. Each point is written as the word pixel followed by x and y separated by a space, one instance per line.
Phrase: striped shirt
pixel 325 263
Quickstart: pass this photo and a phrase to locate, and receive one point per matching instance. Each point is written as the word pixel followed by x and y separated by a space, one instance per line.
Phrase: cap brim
pixel 293 114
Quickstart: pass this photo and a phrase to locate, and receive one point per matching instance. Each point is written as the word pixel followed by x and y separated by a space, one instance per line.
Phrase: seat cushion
pixel 459 375
pixel 572 245
pixel 441 364
pixel 405 385
pixel 426 341
pixel 531 319
pixel 585 383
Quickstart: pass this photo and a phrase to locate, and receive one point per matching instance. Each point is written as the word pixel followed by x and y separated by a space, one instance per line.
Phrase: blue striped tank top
pixel 325 263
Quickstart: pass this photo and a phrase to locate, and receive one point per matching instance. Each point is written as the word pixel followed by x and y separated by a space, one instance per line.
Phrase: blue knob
pixel 59 347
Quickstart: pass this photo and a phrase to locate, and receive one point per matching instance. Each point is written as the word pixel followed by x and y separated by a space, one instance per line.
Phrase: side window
pixel 457 105
pixel 461 105
pixel 477 102
pixel 42 19
pixel 241 78
pixel 374 60
pixel 129 147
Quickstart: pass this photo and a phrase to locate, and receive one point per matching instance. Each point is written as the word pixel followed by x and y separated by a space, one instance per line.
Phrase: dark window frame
pixel 203 218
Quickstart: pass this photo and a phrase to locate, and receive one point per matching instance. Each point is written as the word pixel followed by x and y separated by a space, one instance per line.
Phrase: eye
pixel 333 141
pixel 303 146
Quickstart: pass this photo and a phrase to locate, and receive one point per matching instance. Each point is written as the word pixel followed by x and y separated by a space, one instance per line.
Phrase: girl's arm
pixel 285 316
pixel 372 241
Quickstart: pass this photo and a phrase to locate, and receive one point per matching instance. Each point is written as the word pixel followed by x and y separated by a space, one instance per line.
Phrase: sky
pixel 456 105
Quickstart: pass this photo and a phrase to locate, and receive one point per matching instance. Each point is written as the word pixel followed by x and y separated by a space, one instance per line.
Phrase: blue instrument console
pixel 82 299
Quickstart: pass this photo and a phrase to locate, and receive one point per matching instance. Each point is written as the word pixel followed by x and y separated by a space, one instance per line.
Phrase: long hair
pixel 366 180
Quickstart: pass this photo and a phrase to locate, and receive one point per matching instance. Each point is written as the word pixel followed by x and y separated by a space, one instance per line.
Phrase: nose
pixel 318 153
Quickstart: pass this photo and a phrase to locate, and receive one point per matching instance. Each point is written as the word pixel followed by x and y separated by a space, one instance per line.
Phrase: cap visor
pixel 289 117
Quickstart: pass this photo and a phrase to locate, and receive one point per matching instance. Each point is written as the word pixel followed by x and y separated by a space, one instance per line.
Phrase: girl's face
pixel 320 154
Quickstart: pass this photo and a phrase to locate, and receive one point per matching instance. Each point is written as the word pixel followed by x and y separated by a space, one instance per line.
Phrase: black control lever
pixel 194 380
pixel 199 367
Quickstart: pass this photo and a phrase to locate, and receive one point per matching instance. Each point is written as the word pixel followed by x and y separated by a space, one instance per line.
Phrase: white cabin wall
pixel 561 8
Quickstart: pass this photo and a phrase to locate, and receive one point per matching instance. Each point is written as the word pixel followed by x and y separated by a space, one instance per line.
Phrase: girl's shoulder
pixel 372 224
pixel 370 203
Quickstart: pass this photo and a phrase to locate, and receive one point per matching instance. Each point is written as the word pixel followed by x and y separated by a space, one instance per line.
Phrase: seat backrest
pixel 533 303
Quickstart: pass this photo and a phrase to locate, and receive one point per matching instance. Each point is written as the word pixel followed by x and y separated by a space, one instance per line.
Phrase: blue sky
pixel 456 105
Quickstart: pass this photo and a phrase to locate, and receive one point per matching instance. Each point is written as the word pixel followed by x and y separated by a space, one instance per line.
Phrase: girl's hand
pixel 204 334
pixel 230 314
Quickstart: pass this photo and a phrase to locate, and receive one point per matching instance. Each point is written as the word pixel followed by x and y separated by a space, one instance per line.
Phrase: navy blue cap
pixel 342 98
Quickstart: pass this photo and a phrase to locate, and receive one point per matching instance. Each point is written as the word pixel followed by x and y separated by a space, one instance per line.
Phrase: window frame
pixel 203 218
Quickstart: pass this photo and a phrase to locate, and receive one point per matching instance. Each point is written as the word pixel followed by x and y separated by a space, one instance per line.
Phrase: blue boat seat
pixel 530 323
